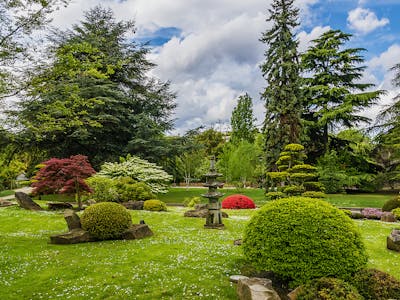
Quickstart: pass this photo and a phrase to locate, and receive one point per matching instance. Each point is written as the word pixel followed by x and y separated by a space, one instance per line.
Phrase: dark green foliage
pixel 331 97
pixel 95 95
pixel 242 121
pixel 391 204
pixel 302 239
pixel 314 186
pixel 154 205
pixel 376 285
pixel 282 124
pixel 326 288
pixel 106 220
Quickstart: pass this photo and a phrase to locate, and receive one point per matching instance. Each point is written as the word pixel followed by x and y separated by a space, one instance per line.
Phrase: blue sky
pixel 210 49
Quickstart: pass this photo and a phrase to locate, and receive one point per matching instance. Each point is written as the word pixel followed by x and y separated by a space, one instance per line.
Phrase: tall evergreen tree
pixel 95 97
pixel 334 95
pixel 242 121
pixel 282 95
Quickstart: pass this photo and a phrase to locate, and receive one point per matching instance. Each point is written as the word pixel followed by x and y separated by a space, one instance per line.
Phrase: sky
pixel 210 50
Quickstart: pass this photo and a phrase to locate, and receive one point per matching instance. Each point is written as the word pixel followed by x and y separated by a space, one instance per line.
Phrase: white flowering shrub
pixel 140 170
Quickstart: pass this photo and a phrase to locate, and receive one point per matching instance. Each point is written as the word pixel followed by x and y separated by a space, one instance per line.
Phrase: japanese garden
pixel 100 199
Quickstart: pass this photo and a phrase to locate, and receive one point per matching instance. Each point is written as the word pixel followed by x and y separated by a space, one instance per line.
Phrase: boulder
pixel 137 231
pixel 236 278
pixel 256 289
pixel 393 240
pixel 293 294
pixel 59 205
pixel 72 219
pixel 72 237
pixel 26 202
pixel 5 203
pixel 134 205
pixel 388 217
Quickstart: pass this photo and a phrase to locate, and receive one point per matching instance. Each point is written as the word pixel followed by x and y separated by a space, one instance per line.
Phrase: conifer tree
pixel 334 96
pixel 282 96
pixel 242 121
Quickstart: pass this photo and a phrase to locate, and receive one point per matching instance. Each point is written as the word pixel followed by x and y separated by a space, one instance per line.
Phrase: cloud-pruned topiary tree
pixel 294 176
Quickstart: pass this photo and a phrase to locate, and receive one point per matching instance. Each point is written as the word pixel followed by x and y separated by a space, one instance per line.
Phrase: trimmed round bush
pixel 106 220
pixel 238 201
pixel 391 204
pixel 376 285
pixel 154 205
pixel 302 238
pixel 328 289
pixel 314 194
pixel 274 195
pixel 396 213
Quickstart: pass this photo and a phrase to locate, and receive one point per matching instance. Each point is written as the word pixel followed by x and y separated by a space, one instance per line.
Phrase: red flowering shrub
pixel 237 201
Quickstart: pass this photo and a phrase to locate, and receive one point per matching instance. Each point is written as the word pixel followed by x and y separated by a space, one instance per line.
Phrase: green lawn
pixel 177 195
pixel 6 193
pixel 181 261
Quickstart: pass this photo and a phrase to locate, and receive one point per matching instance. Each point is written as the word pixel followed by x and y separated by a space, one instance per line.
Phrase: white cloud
pixel 364 20
pixel 305 38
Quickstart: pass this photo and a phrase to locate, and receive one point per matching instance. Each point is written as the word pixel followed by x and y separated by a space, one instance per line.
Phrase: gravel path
pixel 26 190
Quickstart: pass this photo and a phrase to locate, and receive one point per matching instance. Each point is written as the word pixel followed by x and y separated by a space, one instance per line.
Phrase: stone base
pixel 256 289
pixel 214 226
pixel 72 237
pixel 393 240
pixel 137 231
pixel 5 203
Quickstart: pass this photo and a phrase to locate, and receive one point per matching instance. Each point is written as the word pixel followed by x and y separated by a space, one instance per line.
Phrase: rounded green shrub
pixel 302 238
pixel 376 285
pixel 328 289
pixel 293 190
pixel 396 213
pixel 391 204
pixel 154 205
pixel 106 220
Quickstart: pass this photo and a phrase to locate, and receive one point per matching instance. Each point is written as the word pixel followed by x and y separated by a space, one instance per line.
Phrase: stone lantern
pixel 214 217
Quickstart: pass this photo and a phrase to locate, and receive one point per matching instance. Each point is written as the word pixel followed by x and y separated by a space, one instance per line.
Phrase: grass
pixel 177 195
pixel 181 261
pixel 6 193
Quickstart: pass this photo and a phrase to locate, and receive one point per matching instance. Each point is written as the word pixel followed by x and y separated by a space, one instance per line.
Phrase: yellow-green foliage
pixel 396 212
pixel 154 205
pixel 326 288
pixel 293 148
pixel 277 176
pixel 391 204
pixel 302 238
pixel 106 220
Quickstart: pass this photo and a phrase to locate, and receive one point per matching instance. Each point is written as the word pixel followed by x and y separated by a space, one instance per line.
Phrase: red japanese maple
pixel 237 201
pixel 64 176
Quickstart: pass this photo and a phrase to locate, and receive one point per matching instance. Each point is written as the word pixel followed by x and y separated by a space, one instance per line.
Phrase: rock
pixel 72 219
pixel 238 242
pixel 393 240
pixel 59 205
pixel 256 289
pixel 236 278
pixel 388 217
pixel 201 212
pixel 134 205
pixel 201 206
pixel 5 203
pixel 137 231
pixel 90 202
pixel 293 294
pixel 24 201
pixel 72 237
